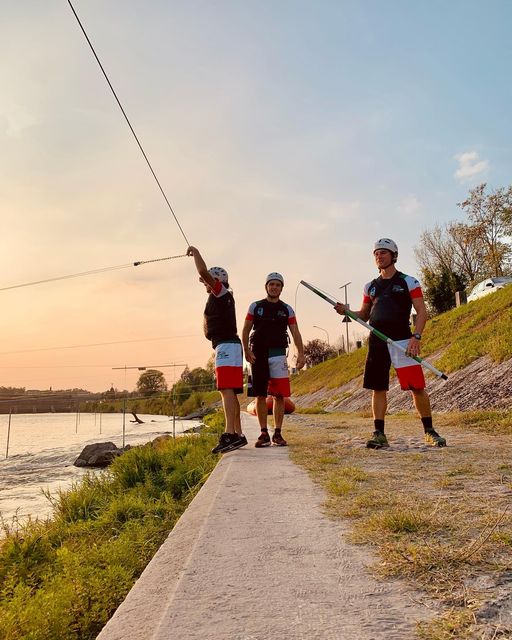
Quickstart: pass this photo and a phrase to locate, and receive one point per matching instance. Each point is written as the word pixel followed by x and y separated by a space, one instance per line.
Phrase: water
pixel 43 447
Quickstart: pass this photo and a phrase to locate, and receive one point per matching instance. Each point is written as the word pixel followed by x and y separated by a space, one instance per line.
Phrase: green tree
pixel 491 216
pixel 151 382
pixel 316 351
pixel 440 288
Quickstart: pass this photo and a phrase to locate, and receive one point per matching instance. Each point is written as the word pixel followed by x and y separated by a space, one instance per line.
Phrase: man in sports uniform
pixel 220 328
pixel 265 349
pixel 387 304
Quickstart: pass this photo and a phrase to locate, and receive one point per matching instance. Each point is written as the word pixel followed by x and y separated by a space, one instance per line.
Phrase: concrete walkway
pixel 254 558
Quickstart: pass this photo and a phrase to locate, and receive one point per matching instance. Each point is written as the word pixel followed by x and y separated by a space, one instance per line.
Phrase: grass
pixel 437 518
pixel 64 578
pixel 456 338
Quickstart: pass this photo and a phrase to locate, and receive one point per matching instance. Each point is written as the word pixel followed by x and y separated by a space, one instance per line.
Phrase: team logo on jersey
pixel 372 292
pixel 282 314
pixel 259 311
pixel 397 288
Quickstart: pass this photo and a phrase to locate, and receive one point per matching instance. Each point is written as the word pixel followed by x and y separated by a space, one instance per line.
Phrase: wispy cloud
pixel 470 165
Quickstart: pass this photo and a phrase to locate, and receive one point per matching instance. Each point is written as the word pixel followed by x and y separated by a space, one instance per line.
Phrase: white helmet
pixel 219 274
pixel 386 243
pixel 274 276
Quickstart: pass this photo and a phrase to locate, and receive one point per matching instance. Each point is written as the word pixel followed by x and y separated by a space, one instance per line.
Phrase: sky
pixel 288 136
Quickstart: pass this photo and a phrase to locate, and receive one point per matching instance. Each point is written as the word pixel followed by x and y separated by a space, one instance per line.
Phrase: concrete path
pixel 254 558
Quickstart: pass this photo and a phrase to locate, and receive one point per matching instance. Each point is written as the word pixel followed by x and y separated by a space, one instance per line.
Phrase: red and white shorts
pixel 270 374
pixel 229 371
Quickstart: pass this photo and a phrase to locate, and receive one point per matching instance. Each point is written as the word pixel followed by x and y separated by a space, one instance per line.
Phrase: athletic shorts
pixel 229 372
pixel 378 363
pixel 270 374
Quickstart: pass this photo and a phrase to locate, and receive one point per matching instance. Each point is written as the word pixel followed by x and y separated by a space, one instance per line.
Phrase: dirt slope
pixel 481 385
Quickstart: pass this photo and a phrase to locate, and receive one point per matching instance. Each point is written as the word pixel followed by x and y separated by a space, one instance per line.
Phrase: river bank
pixel 42 448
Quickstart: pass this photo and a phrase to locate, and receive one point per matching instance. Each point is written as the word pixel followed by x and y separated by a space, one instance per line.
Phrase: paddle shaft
pixel 378 333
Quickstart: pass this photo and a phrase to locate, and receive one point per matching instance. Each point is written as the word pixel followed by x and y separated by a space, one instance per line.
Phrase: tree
pixel 440 288
pixel 150 382
pixel 460 254
pixel 491 216
pixel 316 351
pixel 198 378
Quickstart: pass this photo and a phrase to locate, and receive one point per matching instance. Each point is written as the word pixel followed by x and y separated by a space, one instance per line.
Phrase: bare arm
pixel 421 314
pixel 363 313
pixel 249 355
pixel 297 339
pixel 201 267
pixel 413 348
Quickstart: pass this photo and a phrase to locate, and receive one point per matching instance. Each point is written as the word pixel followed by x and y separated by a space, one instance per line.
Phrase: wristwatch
pixel 417 336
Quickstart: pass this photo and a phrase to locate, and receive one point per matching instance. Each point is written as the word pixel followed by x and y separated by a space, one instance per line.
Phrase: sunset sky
pixel 288 136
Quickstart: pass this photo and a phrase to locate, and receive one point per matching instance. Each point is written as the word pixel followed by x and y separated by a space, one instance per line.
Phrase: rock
pixel 160 440
pixel 100 454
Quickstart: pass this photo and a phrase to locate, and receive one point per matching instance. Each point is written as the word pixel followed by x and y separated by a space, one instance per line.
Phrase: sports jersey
pixel 391 303
pixel 270 322
pixel 219 315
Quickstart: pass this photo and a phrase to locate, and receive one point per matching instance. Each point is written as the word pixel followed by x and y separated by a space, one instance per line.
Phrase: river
pixel 43 446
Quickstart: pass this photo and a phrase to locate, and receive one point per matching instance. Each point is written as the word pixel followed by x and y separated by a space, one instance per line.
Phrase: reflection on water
pixel 43 447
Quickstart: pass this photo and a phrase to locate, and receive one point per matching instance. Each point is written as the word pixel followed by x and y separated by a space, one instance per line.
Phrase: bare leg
pixel 422 403
pixel 278 412
pixel 238 423
pixel 379 404
pixel 262 411
pixel 231 406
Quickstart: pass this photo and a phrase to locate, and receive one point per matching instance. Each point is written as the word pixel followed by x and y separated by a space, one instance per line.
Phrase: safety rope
pixel 128 122
pixel 91 272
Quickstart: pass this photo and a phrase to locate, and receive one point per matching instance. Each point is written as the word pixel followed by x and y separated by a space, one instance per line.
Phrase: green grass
pixel 436 518
pixel 459 337
pixel 64 578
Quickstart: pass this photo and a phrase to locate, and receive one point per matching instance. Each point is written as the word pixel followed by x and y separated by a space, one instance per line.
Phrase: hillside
pixel 471 344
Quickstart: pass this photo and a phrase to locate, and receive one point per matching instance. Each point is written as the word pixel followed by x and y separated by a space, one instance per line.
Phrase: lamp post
pixel 346 319
pixel 322 329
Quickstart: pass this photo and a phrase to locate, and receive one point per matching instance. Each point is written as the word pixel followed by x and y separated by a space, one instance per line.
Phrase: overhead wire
pixel 90 272
pixel 128 122
pixel 99 344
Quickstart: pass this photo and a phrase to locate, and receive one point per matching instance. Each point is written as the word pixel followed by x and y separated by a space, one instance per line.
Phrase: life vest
pixel 220 318
pixel 270 324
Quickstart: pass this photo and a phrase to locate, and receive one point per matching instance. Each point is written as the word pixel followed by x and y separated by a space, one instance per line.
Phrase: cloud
pixel 470 165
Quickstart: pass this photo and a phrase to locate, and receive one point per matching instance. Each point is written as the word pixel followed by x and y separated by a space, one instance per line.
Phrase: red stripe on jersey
pixel 416 293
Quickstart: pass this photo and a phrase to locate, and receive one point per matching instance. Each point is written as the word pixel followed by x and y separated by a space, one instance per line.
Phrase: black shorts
pixel 378 364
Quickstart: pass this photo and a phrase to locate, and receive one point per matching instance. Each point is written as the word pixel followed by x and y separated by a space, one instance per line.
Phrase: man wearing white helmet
pixel 265 349
pixel 387 304
pixel 220 328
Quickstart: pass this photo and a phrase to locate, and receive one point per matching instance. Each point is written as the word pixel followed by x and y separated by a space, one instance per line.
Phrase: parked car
pixel 488 286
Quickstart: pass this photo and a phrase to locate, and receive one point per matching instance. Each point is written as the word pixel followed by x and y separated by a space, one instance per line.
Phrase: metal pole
pixel 76 421
pixel 173 414
pixel 101 414
pixel 345 286
pixel 124 421
pixel 8 434
pixel 326 333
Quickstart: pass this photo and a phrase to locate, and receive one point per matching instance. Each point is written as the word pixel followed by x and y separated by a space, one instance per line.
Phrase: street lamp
pixel 322 329
pixel 346 319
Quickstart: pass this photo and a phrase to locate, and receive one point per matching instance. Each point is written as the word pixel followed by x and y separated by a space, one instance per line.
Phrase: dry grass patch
pixel 438 518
